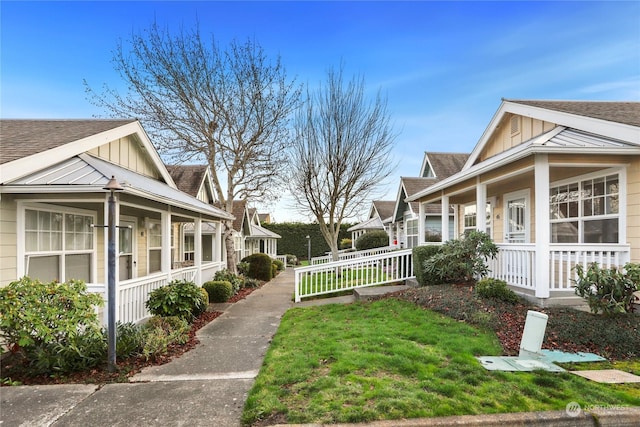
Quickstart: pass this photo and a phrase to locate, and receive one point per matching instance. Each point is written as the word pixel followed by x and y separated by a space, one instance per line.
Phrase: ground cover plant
pixel 392 359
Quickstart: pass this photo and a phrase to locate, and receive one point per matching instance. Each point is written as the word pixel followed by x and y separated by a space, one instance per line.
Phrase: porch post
pixel 219 257
pixel 542 229
pixel 421 221
pixel 481 206
pixel 444 217
pixel 165 225
pixel 197 247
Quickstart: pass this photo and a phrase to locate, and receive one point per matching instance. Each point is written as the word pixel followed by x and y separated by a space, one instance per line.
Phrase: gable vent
pixel 515 125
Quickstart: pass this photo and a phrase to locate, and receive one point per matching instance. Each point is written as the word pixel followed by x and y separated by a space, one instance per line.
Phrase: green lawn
pixel 392 359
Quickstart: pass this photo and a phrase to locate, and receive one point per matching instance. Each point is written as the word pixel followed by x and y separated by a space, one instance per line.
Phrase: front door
pixel 126 250
pixel 517 217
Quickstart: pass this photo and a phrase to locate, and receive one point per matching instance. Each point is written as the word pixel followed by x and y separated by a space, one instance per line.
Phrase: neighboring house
pixel 249 236
pixel 560 182
pixel 404 229
pixel 52 174
pixel 379 218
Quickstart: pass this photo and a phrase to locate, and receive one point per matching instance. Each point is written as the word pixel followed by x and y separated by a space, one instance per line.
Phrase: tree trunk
pixel 230 250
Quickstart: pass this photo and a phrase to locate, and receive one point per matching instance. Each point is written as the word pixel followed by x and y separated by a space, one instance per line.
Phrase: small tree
pixel 340 153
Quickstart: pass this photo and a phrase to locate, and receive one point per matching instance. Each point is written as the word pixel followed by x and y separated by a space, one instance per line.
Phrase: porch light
pixel 111 186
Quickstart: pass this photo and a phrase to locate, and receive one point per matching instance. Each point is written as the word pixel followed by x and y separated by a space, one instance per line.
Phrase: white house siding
pixel 127 152
pixel 8 239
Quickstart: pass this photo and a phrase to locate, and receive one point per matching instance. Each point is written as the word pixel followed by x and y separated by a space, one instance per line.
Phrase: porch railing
pixel 351 255
pixel 282 258
pixel 348 274
pixel 515 263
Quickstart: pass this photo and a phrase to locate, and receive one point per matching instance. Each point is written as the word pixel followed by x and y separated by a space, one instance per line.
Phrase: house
pixel 404 229
pixel 249 236
pixel 53 209
pixel 560 184
pixel 379 219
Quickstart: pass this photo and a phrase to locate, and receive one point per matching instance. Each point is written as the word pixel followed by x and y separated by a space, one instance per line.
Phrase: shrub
pixel 129 339
pixel 372 239
pixel 420 255
pixel 160 332
pixel 236 281
pixel 218 290
pixel 609 290
pixel 252 283
pixel 243 268
pixel 462 260
pixel 292 260
pixel 260 266
pixel 279 264
pixel 496 289
pixel 179 298
pixel 53 325
pixel 345 244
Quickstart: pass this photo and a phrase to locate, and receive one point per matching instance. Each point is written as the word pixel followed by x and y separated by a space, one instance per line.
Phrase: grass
pixel 391 359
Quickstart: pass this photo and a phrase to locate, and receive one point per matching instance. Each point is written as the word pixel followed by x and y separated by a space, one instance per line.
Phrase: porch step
pixel 365 294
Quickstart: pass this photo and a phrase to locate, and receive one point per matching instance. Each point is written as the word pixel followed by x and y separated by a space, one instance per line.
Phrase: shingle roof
pixel 239 207
pixel 21 138
pixel 613 111
pixel 385 208
pixel 188 177
pixel 446 164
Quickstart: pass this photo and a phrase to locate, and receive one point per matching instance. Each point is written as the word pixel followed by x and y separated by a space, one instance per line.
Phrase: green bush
pixel 462 260
pixel 218 290
pixel 496 289
pixel 292 260
pixel 609 290
pixel 345 244
pixel 372 239
pixel 179 298
pixel 53 325
pixel 420 254
pixel 252 283
pixel 260 266
pixel 129 339
pixel 160 332
pixel 279 264
pixel 236 281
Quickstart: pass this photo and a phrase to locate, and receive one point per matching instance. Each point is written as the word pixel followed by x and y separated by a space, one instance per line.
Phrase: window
pixel 433 228
pixel 586 211
pixel 155 246
pixel 412 232
pixel 471 222
pixel 58 245
pixel 189 247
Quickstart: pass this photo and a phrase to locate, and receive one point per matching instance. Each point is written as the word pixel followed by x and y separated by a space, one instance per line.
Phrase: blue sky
pixel 443 66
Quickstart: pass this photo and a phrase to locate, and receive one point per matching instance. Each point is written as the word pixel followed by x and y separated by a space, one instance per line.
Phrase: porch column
pixel 197 247
pixel 444 217
pixel 481 206
pixel 165 225
pixel 219 258
pixel 542 232
pixel 421 221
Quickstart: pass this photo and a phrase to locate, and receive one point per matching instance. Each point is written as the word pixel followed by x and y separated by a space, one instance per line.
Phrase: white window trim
pixel 134 243
pixel 22 206
pixel 526 193
pixel 148 221
pixel 622 200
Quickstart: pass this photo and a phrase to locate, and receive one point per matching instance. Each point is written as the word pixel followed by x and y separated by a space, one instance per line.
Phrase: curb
pixel 596 417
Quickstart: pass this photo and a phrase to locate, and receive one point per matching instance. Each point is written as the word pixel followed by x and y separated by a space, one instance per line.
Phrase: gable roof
pixel 188 178
pixel 445 164
pixel 619 112
pixel 384 208
pixel 29 145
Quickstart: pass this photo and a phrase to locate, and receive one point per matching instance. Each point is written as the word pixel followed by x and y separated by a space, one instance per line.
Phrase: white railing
pixel 515 263
pixel 563 259
pixel 380 269
pixel 281 258
pixel 134 293
pixel 210 269
pixel 351 255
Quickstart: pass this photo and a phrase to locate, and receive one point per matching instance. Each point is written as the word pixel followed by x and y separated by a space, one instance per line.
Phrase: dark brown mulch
pixel 10 366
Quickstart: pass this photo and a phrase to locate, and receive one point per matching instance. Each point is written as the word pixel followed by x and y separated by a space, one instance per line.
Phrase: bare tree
pixel 230 108
pixel 340 154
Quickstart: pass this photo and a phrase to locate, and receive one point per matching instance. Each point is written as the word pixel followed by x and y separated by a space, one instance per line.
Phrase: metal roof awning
pixel 258 232
pixel 84 173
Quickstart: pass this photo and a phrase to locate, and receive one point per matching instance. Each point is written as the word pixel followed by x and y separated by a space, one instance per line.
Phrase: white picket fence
pixel 351 255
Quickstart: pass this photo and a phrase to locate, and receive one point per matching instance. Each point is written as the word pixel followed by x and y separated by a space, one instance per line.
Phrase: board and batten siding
pixel 503 138
pixel 633 208
pixel 128 153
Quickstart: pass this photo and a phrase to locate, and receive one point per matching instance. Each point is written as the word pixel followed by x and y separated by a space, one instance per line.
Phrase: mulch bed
pixel 126 367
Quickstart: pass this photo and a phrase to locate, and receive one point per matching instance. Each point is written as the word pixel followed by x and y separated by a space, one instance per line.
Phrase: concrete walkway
pixel 208 385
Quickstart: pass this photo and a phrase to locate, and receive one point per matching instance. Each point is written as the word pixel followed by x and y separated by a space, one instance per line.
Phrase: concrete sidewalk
pixel 208 385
